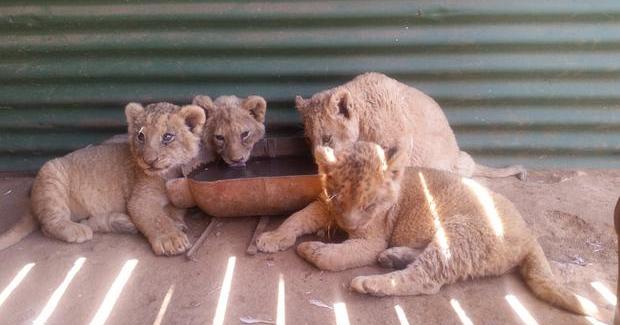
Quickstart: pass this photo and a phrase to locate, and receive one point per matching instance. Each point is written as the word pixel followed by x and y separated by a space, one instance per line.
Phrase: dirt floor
pixel 570 211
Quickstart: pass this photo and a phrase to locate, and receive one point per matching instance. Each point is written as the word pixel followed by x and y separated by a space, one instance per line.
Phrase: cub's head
pixel 360 182
pixel 163 135
pixel 234 125
pixel 329 118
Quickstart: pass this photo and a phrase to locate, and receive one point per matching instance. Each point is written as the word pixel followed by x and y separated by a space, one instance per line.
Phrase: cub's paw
pixel 310 250
pixel 172 243
pixel 372 285
pixel 69 231
pixel 316 252
pixel 273 241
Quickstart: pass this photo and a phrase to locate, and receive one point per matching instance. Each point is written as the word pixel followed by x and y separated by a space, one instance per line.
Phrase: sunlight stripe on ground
pixel 400 313
pixel 525 315
pixel 222 302
pixel 113 293
pixel 605 292
pixel 594 321
pixel 52 303
pixel 342 317
pixel 587 304
pixel 164 306
pixel 465 320
pixel 280 309
pixel 15 282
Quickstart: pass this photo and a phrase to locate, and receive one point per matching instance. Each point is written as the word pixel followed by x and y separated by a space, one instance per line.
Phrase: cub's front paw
pixel 310 249
pixel 69 231
pixel 172 243
pixel 315 253
pixel 373 285
pixel 273 241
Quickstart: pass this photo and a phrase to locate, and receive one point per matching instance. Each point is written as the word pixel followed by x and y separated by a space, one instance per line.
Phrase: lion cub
pixel 119 187
pixel 233 126
pixel 374 107
pixel 441 227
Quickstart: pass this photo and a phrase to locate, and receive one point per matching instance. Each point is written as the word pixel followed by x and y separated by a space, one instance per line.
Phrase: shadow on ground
pixel 571 213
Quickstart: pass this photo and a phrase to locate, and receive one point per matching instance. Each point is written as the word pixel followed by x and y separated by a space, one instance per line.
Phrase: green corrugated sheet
pixel 533 82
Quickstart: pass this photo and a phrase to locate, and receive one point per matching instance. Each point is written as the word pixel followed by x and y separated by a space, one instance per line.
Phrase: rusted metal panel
pixel 534 82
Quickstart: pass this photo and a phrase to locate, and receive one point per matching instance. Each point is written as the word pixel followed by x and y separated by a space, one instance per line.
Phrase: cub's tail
pixel 26 225
pixel 466 166
pixel 515 170
pixel 537 274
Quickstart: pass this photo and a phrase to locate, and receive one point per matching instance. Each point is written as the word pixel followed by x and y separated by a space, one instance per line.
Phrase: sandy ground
pixel 570 211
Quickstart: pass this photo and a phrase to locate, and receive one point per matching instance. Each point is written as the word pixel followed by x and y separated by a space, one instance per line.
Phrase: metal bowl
pixel 281 178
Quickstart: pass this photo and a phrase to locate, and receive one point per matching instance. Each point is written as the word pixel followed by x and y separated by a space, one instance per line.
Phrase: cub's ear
pixel 300 104
pixel 194 117
pixel 340 102
pixel 396 161
pixel 206 103
pixel 325 157
pixel 257 106
pixel 132 111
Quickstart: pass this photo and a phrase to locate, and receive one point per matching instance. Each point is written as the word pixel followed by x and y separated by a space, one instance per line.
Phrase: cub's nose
pixel 237 161
pixel 150 160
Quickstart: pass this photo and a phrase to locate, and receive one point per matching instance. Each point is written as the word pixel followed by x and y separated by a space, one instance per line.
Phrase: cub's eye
pixel 369 208
pixel 245 135
pixel 219 138
pixel 167 138
pixel 326 140
pixel 141 136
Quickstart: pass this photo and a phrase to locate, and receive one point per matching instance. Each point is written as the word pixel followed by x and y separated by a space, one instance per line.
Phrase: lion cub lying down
pixel 441 228
pixel 119 187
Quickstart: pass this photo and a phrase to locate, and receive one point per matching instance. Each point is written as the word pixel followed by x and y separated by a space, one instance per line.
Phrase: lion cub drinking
pixel 233 126
pixel 119 187
pixel 441 228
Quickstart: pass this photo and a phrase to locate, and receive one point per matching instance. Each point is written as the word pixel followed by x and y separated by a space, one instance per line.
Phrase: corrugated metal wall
pixel 535 82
